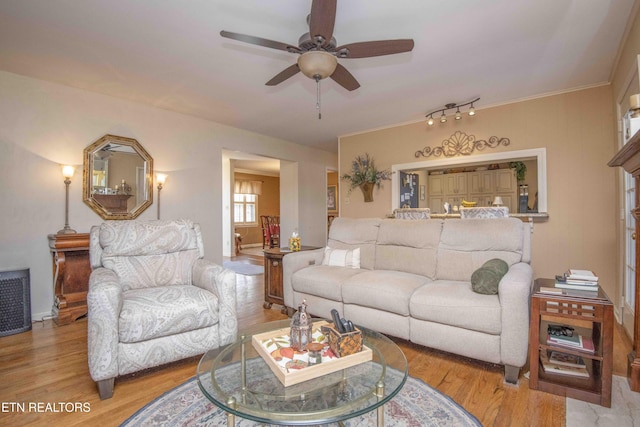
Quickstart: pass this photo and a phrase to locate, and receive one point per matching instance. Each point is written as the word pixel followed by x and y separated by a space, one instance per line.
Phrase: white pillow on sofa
pixel 342 257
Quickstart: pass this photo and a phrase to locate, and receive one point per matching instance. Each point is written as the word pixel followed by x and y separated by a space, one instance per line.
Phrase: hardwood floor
pixel 48 365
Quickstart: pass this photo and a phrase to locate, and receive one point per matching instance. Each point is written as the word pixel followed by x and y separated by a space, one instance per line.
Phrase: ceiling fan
pixel 319 51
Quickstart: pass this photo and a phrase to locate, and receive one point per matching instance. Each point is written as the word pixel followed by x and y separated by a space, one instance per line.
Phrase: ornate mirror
pixel 117 177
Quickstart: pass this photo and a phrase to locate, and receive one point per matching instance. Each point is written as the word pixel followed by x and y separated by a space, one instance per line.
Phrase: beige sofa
pixel 414 283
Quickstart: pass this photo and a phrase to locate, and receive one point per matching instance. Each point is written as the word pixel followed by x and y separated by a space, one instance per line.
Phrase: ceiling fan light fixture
pixel 317 63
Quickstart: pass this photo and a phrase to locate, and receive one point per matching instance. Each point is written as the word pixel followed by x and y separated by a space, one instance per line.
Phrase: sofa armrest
pixel 515 296
pixel 293 262
pixel 221 282
pixel 104 302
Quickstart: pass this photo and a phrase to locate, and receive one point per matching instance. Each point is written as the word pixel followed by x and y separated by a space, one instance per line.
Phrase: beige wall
pixel 576 128
pixel 268 204
pixel 43 125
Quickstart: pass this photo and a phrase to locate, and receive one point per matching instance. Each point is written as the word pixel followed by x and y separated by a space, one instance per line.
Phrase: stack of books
pixel 576 342
pixel 564 364
pixel 583 280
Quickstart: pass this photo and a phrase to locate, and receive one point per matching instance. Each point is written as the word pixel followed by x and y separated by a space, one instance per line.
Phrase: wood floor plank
pixel 49 365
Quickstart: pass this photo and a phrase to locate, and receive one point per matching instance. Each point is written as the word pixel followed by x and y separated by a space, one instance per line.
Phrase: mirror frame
pixel 87 187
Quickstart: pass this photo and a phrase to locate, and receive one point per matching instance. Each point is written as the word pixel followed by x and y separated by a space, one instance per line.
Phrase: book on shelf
pixel 549 290
pixel 573 341
pixel 565 359
pixel 583 343
pixel 586 275
pixel 555 368
pixel 576 287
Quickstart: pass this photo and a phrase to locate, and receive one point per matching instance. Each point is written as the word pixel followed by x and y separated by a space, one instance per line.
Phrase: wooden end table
pixel 273 292
pixel 590 313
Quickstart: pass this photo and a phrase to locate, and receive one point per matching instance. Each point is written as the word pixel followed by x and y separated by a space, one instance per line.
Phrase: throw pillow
pixel 342 257
pixel 486 279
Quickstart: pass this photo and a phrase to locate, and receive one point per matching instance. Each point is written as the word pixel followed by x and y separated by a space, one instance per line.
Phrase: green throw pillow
pixel 485 280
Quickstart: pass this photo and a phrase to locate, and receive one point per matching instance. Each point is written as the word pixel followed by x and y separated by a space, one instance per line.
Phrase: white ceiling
pixel 169 54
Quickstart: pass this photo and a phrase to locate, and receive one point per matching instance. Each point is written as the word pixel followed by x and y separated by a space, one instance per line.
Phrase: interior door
pixel 629 289
pixel 630 196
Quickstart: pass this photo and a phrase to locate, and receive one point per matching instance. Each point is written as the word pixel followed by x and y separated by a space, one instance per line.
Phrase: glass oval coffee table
pixel 238 380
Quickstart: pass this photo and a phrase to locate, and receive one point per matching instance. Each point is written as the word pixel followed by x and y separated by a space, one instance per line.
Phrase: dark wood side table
pixel 590 314
pixel 273 292
pixel 71 270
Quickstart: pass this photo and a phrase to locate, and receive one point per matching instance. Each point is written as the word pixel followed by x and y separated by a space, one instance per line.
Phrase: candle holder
pixel 301 328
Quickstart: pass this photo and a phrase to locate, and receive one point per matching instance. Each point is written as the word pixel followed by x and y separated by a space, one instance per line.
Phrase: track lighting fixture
pixel 451 106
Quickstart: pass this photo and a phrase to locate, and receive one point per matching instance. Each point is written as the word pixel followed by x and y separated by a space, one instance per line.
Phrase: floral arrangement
pixel 363 171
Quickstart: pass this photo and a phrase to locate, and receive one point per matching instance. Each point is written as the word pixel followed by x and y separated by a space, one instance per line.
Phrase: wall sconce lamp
pixel 161 178
pixel 67 173
pixel 451 106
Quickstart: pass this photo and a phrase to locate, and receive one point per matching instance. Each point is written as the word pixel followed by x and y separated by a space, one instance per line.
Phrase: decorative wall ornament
pixel 461 144
pixel 365 174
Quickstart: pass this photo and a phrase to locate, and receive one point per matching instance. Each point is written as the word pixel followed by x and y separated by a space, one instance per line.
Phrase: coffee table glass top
pixel 245 385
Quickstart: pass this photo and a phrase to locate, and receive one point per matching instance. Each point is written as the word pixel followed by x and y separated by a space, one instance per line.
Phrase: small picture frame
pixel 422 192
pixel 332 198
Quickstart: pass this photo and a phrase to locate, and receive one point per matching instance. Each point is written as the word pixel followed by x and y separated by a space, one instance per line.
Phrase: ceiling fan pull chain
pixel 318 106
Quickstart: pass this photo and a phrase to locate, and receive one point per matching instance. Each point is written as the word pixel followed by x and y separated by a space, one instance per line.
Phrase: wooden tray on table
pixel 267 343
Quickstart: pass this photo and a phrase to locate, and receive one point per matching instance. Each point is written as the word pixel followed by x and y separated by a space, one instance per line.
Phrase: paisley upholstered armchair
pixel 153 299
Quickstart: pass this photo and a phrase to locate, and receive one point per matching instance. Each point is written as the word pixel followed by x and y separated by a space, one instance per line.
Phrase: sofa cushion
pixel 454 303
pixel 466 245
pixel 486 279
pixel 157 312
pixel 410 246
pixel 322 280
pixel 342 257
pixel 352 233
pixel 382 289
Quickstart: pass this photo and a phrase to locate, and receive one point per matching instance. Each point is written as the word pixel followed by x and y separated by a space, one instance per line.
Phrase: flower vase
pixel 367 191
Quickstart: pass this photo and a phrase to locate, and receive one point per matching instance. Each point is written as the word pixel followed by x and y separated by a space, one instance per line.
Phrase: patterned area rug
pixel 244 268
pixel 417 405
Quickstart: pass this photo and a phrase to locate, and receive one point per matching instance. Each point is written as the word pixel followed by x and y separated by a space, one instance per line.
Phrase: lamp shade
pixel 317 63
pixel 497 201
pixel 68 171
pixel 161 178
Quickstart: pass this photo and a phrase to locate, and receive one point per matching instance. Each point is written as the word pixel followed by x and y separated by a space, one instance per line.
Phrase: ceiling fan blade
pixel 374 48
pixel 260 41
pixel 284 75
pixel 322 19
pixel 344 78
